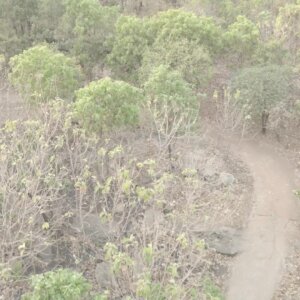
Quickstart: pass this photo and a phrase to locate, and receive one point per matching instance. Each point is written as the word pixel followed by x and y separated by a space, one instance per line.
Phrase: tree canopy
pixel 41 74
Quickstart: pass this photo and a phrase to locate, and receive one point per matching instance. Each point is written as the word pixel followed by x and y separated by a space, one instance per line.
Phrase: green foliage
pixel 62 284
pixel 270 52
pixel 41 74
pixel 170 99
pixel 288 26
pixel 88 29
pixel 107 104
pixel 175 25
pixel 173 37
pixel 242 38
pixel 46 20
pixel 16 23
pixel 130 43
pixel 168 87
pixel 27 22
pixel 212 292
pixel 185 56
pixel 261 88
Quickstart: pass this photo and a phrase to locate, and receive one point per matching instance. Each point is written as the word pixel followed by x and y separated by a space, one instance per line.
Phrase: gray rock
pixel 92 226
pixel 225 240
pixel 226 179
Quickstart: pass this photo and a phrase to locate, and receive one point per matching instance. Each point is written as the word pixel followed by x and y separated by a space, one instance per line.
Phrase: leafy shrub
pixel 261 88
pixel 41 74
pixel 171 28
pixel 242 38
pixel 288 25
pixel 106 104
pixel 88 28
pixel 171 102
pixel 56 179
pixel 188 58
pixel 212 292
pixel 175 25
pixel 130 43
pixel 61 284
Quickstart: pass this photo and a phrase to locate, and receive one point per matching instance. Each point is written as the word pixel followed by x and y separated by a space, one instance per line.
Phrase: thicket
pixel 93 71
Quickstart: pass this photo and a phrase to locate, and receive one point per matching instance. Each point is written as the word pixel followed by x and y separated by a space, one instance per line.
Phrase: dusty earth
pixel 266 246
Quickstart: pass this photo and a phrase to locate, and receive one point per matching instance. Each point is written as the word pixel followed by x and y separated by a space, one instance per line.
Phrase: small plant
pixel 107 104
pixel 211 291
pixel 62 284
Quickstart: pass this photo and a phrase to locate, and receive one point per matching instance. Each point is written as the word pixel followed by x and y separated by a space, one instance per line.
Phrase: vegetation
pixel 41 74
pixel 88 29
pixel 60 284
pixel 106 104
pixel 171 102
pixel 96 195
pixel 260 88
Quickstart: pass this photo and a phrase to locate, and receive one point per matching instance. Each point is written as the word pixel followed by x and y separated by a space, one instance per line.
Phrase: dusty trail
pixel 258 269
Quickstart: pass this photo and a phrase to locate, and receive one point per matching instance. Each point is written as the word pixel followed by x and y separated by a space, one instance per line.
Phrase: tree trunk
pixel 264 121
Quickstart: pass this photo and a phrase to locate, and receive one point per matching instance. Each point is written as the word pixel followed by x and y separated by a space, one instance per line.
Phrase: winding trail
pixel 257 271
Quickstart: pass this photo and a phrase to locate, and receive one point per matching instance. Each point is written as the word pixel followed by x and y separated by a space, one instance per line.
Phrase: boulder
pixel 226 179
pixel 92 226
pixel 225 240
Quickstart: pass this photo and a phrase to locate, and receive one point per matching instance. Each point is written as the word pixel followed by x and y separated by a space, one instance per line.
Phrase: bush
pixel 89 28
pixel 242 38
pixel 175 25
pixel 186 57
pixel 171 102
pixel 261 88
pixel 107 104
pixel 130 43
pixel 87 198
pixel 62 284
pixel 41 74
pixel 287 26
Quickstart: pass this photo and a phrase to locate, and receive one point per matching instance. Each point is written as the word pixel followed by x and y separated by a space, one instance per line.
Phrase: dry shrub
pixel 231 116
pixel 71 199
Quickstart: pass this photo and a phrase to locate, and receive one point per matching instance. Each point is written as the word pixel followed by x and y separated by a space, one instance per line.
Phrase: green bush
pixel 62 284
pixel 242 38
pixel 88 28
pixel 287 26
pixel 41 74
pixel 260 88
pixel 171 101
pixel 187 57
pixel 106 104
pixel 130 43
pixel 175 25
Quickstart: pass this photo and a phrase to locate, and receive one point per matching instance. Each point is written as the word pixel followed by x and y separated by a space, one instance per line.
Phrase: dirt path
pixel 258 269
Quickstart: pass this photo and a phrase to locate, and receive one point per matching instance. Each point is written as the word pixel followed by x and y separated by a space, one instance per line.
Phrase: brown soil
pixel 257 271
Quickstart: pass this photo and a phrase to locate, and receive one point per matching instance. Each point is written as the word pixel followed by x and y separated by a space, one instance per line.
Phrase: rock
pixel 226 179
pixel 225 240
pixel 104 276
pixel 92 226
